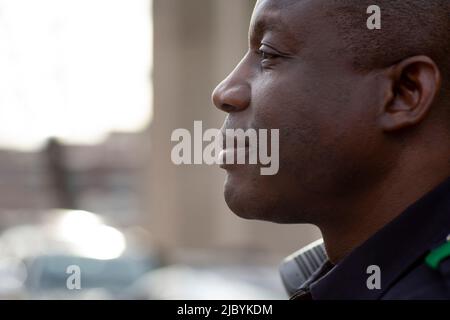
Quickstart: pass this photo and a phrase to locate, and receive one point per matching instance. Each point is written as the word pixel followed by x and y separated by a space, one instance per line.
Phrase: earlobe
pixel 413 85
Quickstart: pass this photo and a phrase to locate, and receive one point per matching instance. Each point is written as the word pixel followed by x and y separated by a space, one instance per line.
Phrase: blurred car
pixel 99 279
pixel 182 282
pixel 34 259
pixel 35 262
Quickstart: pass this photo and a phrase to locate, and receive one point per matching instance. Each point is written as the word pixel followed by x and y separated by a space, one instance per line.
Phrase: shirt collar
pixel 393 249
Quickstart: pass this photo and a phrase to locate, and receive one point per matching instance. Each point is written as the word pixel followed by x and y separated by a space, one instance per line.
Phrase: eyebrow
pixel 271 23
pixel 267 24
pixel 263 25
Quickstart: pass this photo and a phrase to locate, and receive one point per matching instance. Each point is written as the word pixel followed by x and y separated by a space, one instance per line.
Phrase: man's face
pixel 295 77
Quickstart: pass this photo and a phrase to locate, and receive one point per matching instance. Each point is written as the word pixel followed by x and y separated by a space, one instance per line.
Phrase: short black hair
pixel 408 28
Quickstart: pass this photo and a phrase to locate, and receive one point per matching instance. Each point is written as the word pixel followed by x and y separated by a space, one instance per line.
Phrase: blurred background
pixel 90 92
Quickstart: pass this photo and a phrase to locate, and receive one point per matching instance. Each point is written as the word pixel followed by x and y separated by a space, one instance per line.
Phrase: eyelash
pixel 266 55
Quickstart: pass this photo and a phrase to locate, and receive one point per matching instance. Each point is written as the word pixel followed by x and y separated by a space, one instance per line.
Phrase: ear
pixel 413 84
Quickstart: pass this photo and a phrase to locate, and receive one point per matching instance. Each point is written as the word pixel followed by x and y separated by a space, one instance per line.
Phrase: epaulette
pixel 439 254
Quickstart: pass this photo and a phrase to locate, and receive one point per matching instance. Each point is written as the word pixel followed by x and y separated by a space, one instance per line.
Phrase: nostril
pixel 228 108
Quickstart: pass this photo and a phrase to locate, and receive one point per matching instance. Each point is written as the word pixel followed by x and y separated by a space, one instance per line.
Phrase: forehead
pixel 285 11
pixel 279 3
pixel 293 19
pixel 304 28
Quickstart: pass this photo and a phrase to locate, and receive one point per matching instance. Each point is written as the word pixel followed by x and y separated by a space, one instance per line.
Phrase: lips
pixel 232 152
pixel 233 137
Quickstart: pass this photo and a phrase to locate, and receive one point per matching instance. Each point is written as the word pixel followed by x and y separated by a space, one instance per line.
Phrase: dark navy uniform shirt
pixel 399 250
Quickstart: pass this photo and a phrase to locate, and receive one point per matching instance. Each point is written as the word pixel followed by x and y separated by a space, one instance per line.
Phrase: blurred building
pixel 24 181
pixel 101 178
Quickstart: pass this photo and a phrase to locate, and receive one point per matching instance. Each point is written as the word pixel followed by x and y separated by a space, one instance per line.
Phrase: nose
pixel 234 93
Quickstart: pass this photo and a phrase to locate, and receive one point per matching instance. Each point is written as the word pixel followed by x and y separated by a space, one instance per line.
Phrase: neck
pixel 378 206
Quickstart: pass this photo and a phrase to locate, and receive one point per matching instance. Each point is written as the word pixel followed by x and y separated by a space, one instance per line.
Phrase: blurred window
pixel 73 69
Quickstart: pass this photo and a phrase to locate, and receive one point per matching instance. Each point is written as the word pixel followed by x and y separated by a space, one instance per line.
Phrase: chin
pixel 255 199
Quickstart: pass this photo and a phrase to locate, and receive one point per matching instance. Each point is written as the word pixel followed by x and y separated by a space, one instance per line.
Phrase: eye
pixel 267 54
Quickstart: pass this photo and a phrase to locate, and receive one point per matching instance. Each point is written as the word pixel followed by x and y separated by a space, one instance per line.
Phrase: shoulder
pixel 428 278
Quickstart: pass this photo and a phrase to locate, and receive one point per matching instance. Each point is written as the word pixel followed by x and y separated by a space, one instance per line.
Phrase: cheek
pixel 313 117
pixel 277 103
pixel 288 108
pixel 291 105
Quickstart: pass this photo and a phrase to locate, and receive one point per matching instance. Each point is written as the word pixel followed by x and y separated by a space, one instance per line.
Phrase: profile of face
pixel 297 77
